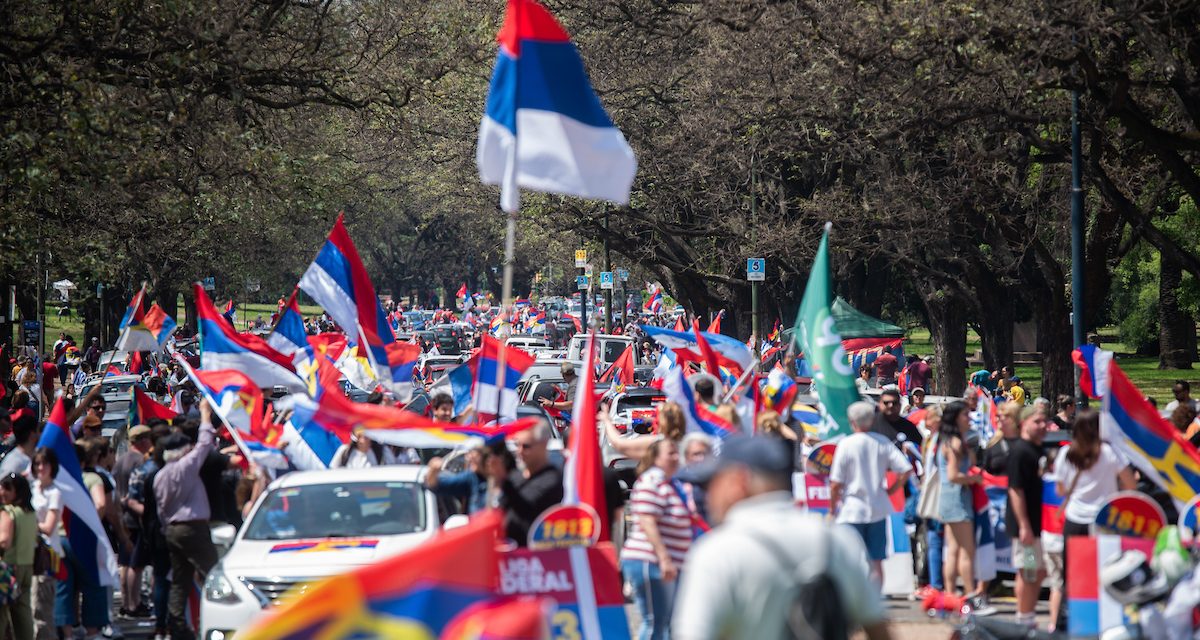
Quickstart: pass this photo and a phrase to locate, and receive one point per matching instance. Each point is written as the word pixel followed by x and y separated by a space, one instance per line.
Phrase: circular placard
pixel 1132 514
pixel 1189 519
pixel 820 460
pixel 565 526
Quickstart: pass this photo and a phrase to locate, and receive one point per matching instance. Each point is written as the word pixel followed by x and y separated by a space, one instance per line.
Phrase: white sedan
pixel 309 525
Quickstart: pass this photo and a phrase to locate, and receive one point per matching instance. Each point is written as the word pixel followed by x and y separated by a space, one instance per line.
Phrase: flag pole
pixel 510 244
pixel 217 409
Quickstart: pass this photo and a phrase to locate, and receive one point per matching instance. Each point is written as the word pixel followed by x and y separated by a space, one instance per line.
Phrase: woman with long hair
pixel 956 508
pixel 659 538
pixel 18 539
pixel 669 423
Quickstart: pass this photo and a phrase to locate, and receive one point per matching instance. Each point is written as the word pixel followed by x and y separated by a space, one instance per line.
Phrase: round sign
pixel 1132 514
pixel 1189 519
pixel 820 461
pixel 565 526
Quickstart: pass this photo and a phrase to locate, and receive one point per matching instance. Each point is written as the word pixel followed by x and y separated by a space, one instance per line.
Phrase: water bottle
pixel 1029 564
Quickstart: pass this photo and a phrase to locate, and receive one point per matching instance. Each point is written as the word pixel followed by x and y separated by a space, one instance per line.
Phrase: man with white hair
pixel 527 492
pixel 858 488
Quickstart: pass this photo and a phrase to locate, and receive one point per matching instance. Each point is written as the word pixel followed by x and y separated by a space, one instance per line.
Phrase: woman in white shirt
pixel 1088 473
pixel 47 505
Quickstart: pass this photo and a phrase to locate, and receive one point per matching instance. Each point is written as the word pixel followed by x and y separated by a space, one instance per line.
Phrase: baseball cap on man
pixel 760 454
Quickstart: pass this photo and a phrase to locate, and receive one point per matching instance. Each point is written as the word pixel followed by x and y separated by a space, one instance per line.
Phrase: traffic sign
pixel 623 274
pixel 580 258
pixel 606 279
pixel 210 283
pixel 581 283
pixel 756 269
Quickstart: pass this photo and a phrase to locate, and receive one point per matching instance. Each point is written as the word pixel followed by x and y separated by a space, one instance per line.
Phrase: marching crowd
pixel 713 545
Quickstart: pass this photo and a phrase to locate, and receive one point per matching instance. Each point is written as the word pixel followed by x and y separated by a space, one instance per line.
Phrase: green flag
pixel 819 340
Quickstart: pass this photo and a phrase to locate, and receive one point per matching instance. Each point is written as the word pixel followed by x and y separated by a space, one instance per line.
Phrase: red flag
pixel 583 479
pixel 578 326
pixel 135 362
pixel 710 357
pixel 145 409
pixel 679 324
pixel 623 366
pixel 715 325
pixel 462 291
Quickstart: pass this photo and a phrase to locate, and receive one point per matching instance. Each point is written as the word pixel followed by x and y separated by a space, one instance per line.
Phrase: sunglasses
pixel 888 403
pixel 98 407
pixel 529 445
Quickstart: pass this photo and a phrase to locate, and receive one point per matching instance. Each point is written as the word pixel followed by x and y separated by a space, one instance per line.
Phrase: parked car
pixel 608 348
pixel 309 525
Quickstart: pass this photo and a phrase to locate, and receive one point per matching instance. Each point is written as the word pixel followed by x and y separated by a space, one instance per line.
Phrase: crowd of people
pixel 696 555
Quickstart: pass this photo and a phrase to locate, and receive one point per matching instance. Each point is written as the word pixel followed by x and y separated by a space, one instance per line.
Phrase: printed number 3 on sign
pixel 565 625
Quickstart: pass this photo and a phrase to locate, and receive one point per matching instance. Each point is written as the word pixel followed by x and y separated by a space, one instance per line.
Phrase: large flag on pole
pixel 543 127
pixel 223 348
pixel 289 335
pixel 338 281
pixel 818 337
pixel 88 540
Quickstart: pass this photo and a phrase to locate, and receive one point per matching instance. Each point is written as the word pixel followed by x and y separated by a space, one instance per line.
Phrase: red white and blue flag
pixel 494 400
pixel 1093 364
pixel 698 417
pixel 144 408
pixel 654 304
pixel 238 401
pixel 729 351
pixel 986 418
pixel 289 335
pixel 144 330
pixel 86 534
pixel 779 392
pixel 338 281
pixel 583 476
pixel 543 127
pixel 223 348
pixel 536 322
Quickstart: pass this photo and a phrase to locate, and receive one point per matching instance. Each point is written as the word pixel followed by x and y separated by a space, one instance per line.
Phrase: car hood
pixel 307 557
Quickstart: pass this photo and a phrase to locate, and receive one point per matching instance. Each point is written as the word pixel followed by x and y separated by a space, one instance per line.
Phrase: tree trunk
pixel 1176 326
pixel 167 297
pixel 1055 343
pixel 996 333
pixel 948 331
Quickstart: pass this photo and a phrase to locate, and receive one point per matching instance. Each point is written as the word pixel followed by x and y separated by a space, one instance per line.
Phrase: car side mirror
pixel 455 521
pixel 223 535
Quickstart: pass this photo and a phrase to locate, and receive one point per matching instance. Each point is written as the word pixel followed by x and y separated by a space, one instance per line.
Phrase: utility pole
pixel 1077 224
pixel 608 293
pixel 754 324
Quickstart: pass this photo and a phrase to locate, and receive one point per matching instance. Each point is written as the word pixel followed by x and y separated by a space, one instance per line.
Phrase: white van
pixel 608 348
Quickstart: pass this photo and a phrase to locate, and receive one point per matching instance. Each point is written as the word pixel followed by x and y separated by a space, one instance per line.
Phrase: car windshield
pixel 613 350
pixel 340 510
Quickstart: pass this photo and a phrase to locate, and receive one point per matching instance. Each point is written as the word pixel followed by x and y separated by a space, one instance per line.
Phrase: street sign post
pixel 580 258
pixel 581 283
pixel 756 272
pixel 606 280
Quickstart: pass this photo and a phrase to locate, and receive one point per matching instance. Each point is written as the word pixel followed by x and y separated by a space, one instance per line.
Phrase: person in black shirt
pixel 1023 516
pixel 525 495
pixel 890 424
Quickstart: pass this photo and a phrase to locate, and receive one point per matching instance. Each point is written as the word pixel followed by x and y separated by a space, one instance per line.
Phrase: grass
pixel 1143 371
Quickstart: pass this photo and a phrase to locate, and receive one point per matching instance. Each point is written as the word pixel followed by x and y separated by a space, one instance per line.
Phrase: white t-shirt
pixel 45 500
pixel 1095 486
pixel 1174 404
pixel 15 462
pixel 860 465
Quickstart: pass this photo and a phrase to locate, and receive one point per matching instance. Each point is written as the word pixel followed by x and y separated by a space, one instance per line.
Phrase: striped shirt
pixel 654 495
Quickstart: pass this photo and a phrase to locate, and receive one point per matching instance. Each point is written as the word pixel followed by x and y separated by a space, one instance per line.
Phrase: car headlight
pixel 218 588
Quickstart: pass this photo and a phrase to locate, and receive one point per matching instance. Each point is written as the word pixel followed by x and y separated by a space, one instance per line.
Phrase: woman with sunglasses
pixel 47 506
pixel 18 540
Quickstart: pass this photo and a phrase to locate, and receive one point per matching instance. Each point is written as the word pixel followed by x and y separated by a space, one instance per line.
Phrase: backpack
pixel 817 611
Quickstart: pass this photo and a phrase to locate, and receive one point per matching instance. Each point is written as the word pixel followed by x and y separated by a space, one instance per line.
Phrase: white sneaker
pixel 111 632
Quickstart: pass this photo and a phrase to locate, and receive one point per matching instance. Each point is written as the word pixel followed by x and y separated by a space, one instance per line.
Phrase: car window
pixel 339 510
pixel 613 350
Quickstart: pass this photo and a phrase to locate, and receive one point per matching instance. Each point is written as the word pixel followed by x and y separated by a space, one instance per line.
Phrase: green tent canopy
pixel 852 323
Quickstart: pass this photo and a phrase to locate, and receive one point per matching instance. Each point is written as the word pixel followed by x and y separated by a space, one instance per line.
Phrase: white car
pixel 309 525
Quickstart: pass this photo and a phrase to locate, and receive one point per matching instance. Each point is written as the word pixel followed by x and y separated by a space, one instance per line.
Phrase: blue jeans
pixel 935 540
pixel 68 591
pixel 654 598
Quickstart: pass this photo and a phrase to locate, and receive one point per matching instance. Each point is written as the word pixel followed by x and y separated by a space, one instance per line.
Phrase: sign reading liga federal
pixel 580 258
pixel 1132 514
pixel 756 269
pixel 565 526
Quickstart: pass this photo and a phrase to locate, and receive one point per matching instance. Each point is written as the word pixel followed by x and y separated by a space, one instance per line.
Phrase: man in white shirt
pixel 1183 394
pixel 743 578
pixel 858 489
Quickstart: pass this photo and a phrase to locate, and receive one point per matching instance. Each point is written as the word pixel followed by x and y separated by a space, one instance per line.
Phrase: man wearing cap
pixel 743 577
pixel 184 512
pixel 572 379
pixel 135 457
pixel 858 488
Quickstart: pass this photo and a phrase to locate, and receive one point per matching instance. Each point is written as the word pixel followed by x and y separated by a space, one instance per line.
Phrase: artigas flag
pixel 818 337
pixel 543 127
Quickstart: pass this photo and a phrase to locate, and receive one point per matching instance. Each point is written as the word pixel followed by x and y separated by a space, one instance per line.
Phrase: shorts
pixel 874 536
pixel 1055 570
pixel 955 504
pixel 126 558
pixel 1018 554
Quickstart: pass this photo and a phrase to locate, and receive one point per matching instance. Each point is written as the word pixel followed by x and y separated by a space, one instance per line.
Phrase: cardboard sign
pixel 1131 514
pixel 554 574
